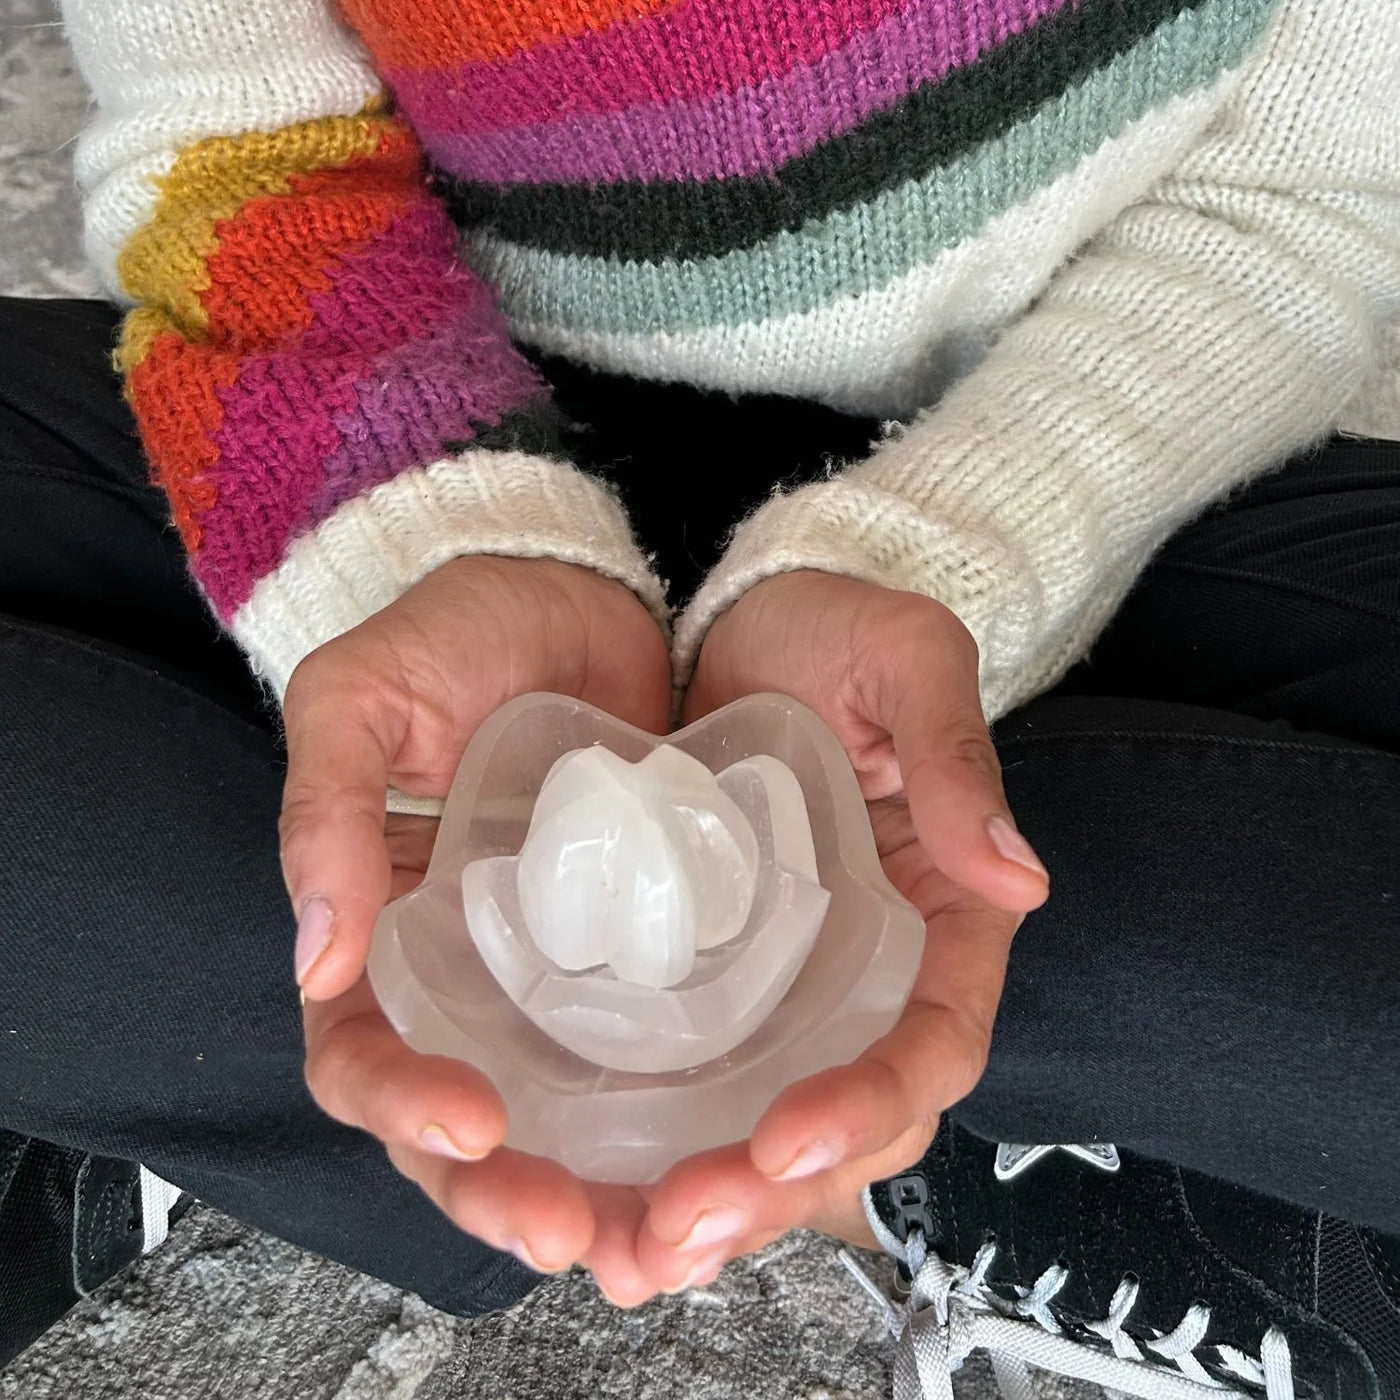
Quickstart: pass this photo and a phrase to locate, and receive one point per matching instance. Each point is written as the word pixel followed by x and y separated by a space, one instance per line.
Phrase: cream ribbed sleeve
pixel 1245 307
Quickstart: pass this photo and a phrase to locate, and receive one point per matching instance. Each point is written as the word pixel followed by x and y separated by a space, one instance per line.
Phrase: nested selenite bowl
pixel 619 1080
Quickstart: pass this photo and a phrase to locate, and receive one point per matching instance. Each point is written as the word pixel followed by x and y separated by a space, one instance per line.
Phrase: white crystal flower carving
pixel 636 865
pixel 657 911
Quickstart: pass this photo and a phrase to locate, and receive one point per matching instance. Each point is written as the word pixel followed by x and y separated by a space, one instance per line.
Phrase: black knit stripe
pixel 541 430
pixel 935 124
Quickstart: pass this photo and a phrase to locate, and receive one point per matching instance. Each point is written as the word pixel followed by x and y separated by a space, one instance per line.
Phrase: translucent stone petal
pixel 793 847
pixel 636 865
pixel 576 775
pixel 718 855
pixel 713 839
pixel 578 879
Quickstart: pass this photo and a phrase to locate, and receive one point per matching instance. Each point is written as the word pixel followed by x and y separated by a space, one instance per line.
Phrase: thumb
pixel 334 856
pixel 952 781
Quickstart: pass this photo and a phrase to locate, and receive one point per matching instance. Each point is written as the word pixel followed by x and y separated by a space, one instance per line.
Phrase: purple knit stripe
pixel 304 432
pixel 428 393
pixel 684 53
pixel 741 133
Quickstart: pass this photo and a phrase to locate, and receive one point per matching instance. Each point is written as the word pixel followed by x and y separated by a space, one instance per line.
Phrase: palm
pixel 895 676
pixel 394 703
pixel 618 1210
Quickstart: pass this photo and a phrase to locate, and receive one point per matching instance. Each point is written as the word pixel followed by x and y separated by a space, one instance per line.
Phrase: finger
pixel 612 1257
pixel 952 777
pixel 524 1205
pixel 710 1208
pixel 843 1215
pixel 359 1070
pixel 717 1203
pixel 707 1266
pixel 932 1058
pixel 334 856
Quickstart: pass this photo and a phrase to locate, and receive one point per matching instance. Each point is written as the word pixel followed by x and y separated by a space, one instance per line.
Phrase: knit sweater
pixel 1096 262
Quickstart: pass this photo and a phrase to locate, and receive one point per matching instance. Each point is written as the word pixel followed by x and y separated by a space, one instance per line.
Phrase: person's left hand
pixel 895 676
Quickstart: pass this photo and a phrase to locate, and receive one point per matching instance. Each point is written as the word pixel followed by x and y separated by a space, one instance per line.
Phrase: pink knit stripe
pixel 683 53
pixel 306 429
pixel 379 295
pixel 278 429
pixel 741 133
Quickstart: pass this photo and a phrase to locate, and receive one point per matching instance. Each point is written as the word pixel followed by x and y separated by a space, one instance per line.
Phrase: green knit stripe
pixel 931 127
pixel 855 251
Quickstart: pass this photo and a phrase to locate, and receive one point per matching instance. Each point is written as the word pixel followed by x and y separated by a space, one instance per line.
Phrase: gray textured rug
pixel 223 1312
pixel 220 1311
pixel 42 105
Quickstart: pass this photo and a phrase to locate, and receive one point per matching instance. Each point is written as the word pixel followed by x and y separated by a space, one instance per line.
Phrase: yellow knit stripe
pixel 165 263
pixel 139 331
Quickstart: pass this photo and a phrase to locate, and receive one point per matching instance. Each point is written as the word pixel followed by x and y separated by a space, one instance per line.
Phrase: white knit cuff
pixel 377 546
pixel 849 528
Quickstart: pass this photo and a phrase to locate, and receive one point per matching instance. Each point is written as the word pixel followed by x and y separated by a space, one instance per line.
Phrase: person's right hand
pixel 394 701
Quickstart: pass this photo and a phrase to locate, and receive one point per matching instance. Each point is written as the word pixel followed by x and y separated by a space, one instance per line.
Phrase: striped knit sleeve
pixel 329 398
pixel 1242 308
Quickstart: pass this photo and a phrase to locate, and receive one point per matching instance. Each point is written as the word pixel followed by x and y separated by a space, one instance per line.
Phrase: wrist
pixel 378 546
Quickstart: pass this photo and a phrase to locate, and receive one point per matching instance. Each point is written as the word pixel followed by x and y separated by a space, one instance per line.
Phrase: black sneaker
pixel 69 1221
pixel 1147 1279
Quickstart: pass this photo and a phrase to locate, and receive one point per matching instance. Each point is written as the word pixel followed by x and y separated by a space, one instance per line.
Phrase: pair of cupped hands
pixel 395 700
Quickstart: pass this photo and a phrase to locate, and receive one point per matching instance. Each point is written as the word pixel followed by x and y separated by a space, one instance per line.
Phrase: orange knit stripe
pixel 274 255
pixel 163 263
pixel 447 33
pixel 174 393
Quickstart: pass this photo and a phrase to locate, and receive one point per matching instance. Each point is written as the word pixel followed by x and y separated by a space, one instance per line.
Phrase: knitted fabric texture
pixel 1103 258
pixel 306 334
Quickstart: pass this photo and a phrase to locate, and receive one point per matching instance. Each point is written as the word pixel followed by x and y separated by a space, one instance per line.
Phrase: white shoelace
pixel 951 1312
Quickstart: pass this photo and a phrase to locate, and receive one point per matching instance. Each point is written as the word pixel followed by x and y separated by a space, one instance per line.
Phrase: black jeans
pixel 1215 980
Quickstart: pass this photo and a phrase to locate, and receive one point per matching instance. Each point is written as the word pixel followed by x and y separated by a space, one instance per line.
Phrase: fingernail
pixel 437 1139
pixel 715 1224
pixel 705 1269
pixel 313 934
pixel 523 1252
pixel 1013 846
pixel 815 1157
